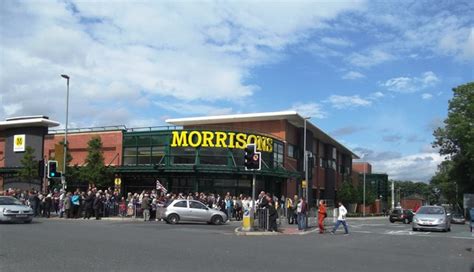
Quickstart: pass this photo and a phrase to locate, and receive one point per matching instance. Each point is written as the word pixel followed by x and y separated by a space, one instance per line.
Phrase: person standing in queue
pixel 272 216
pixel 98 206
pixel 290 210
pixel 301 210
pixel 322 214
pixel 88 205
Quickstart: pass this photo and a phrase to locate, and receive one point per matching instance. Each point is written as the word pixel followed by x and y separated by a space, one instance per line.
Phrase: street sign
pixel 118 181
pixel 304 184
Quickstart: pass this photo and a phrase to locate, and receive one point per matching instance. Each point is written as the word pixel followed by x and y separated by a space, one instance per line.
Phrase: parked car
pixel 12 210
pixel 191 210
pixel 432 218
pixel 458 218
pixel 401 215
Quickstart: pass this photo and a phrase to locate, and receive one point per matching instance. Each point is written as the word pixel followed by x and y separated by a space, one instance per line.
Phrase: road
pixel 111 245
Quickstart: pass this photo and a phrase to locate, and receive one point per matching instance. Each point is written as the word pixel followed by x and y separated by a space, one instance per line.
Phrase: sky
pixel 375 75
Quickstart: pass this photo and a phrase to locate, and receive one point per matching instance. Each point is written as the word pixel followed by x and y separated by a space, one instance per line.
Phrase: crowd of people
pixel 103 203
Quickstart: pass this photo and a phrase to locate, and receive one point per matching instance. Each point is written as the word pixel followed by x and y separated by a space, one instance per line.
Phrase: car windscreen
pixel 9 201
pixel 431 210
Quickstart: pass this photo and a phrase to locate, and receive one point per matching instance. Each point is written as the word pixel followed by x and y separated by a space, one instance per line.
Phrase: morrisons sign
pixel 220 139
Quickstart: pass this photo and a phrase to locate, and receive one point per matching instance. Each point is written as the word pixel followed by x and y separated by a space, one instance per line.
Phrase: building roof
pixel 291 116
pixel 28 121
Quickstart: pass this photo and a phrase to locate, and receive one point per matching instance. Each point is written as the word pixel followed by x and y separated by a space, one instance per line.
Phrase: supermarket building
pixel 204 154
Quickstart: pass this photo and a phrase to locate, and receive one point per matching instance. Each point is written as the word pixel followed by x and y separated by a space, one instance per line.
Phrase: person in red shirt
pixel 322 213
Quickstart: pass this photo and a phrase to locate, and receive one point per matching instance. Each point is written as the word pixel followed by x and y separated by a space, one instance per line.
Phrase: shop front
pixel 208 161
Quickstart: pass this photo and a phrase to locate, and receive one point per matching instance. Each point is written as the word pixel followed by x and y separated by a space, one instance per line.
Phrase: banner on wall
pixel 19 143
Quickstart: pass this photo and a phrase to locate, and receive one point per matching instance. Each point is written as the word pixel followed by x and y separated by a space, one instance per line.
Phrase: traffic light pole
pixel 254 180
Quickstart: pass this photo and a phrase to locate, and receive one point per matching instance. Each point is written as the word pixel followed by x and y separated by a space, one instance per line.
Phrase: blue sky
pixel 377 76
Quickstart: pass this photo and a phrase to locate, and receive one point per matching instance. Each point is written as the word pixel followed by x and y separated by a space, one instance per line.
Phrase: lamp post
pixel 305 168
pixel 63 177
pixel 363 209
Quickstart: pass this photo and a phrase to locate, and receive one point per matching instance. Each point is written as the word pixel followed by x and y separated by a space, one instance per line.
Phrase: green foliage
pixel 29 170
pixel 443 183
pixel 95 172
pixel 370 196
pixel 456 140
pixel 347 194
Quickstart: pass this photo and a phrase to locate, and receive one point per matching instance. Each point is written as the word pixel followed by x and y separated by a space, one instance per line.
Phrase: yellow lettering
pixel 207 138
pixel 231 139
pixel 195 141
pixel 241 140
pixel 179 138
pixel 220 139
pixel 252 139
pixel 270 144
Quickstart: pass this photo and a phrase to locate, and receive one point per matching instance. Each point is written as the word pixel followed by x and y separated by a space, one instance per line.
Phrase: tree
pixel 443 184
pixel 95 172
pixel 456 139
pixel 347 193
pixel 29 170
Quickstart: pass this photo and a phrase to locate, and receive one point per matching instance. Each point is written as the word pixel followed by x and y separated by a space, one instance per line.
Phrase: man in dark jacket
pixel 88 205
pixel 47 204
pixel 98 206
pixel 272 214
pixel 34 202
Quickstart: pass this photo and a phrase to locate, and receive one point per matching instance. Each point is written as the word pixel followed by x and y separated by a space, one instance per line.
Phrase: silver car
pixel 191 210
pixel 12 210
pixel 432 218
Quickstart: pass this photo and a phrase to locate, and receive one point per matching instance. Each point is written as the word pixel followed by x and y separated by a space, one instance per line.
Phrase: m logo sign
pixel 19 143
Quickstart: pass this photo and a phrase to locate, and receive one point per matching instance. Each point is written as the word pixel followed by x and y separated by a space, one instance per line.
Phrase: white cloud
pixel 411 84
pixel 353 75
pixel 193 108
pixel 419 166
pixel 309 110
pixel 426 96
pixel 341 102
pixel 370 58
pixel 415 167
pixel 376 95
pixel 336 41
pixel 124 54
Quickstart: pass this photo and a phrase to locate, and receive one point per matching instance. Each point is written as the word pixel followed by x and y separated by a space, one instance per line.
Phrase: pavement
pixel 114 244
pixel 286 229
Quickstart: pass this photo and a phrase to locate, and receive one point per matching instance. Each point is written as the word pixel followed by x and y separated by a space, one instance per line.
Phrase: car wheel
pixel 414 229
pixel 217 220
pixel 406 221
pixel 392 221
pixel 173 219
pixel 28 221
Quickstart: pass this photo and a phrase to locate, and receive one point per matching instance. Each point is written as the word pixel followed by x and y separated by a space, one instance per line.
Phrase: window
pixel 129 141
pixel 130 156
pixel 278 153
pixel 157 154
pixel 144 155
pixel 291 151
pixel 196 205
pixel 183 155
pixel 213 156
pixel 143 140
pixel 181 204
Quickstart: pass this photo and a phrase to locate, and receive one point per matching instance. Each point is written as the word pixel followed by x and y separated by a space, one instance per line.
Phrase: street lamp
pixel 305 168
pixel 363 209
pixel 63 177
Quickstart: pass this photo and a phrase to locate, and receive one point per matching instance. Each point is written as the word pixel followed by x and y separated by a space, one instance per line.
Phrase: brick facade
pixel 111 146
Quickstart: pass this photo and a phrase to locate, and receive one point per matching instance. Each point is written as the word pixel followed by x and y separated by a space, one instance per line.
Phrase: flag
pixel 160 187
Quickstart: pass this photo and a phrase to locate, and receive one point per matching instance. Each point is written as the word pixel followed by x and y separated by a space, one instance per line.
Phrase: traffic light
pixel 52 169
pixel 252 159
